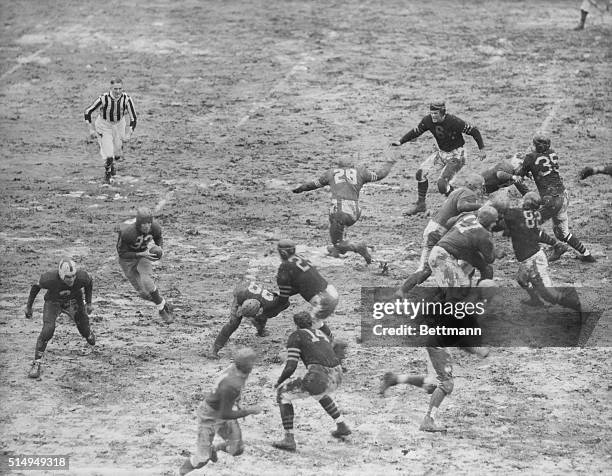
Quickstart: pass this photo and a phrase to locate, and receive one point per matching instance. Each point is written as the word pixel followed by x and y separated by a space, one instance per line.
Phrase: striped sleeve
pixel 293 347
pixel 89 111
pixel 132 112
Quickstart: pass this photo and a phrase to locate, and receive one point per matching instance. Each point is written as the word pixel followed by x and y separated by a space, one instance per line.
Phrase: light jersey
pixel 312 346
pixel 544 168
pixel 132 240
pixel 466 239
pixel 228 387
pixel 59 291
pixel 346 183
pixel 297 275
pixel 459 201
pixel 252 290
pixel 523 228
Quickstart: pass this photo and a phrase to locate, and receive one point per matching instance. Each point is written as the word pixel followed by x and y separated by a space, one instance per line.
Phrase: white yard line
pixel 545 126
pixel 27 59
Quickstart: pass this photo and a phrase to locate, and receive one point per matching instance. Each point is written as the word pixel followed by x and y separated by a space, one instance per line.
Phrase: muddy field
pixel 238 103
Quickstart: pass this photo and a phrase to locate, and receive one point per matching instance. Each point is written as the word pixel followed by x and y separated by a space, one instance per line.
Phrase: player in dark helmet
pixel 543 165
pixel 69 291
pixel 450 157
pixel 297 275
pixel 323 377
pixel 133 244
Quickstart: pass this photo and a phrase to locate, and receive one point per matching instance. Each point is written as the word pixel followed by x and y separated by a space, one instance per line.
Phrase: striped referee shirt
pixel 112 109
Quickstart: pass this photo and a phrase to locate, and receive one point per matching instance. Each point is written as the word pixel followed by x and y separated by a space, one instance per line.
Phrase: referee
pixel 110 128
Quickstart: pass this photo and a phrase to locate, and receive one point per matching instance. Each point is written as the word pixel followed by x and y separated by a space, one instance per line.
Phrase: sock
pixel 330 407
pixel 546 239
pixel 157 299
pixel 286 411
pixel 422 190
pixel 576 244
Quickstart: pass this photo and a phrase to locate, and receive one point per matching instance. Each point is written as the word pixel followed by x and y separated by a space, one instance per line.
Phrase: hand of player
pixel 28 312
pixel 129 133
pixel 482 154
pixel 147 255
pixel 255 410
pixel 298 189
pixel 89 308
pixel 517 179
pixel 396 143
pixel 93 134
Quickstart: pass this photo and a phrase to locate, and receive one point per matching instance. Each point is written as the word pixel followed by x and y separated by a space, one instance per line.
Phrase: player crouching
pixel 324 376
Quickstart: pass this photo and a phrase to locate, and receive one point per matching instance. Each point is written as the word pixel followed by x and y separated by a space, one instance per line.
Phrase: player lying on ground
pixel 602 169
pixel 503 174
pixel 254 302
pixel 66 287
pixel 323 377
pixel 345 182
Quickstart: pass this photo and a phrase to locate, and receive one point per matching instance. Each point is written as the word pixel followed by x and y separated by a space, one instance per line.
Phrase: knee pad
pixel 442 185
pixel 447 386
pixel 419 175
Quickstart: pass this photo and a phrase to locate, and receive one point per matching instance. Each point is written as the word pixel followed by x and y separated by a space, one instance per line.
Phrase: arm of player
pixel 276 308
pixel 313 185
pixel 88 289
pixel 34 290
pixel 468 203
pixel 411 134
pixel 382 172
pixel 132 113
pixel 226 411
pixel 290 367
pixel 88 112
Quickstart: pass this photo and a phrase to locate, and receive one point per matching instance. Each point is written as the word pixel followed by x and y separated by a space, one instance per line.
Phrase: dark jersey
pixel 500 176
pixel 252 290
pixel 470 241
pixel 228 388
pixel 544 168
pixel 523 228
pixel 312 346
pixel 346 183
pixel 59 291
pixel 459 201
pixel 132 241
pixel 298 276
pixel 448 133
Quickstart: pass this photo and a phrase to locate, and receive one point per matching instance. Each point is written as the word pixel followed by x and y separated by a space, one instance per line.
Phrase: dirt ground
pixel 238 103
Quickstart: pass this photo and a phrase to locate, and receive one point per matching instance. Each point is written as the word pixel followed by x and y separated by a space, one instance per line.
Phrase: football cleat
pixel 91 340
pixel 35 369
pixel 418 207
pixel 362 249
pixel 428 424
pixel 389 380
pixel 588 258
pixel 166 314
pixel 586 172
pixel 341 430
pixel 558 250
pixel 287 443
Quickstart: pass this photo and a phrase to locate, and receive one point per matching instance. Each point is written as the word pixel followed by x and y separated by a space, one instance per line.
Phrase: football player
pixel 66 287
pixel 543 165
pixel 522 226
pixel 467 245
pixel 602 169
pixel 345 182
pixel 503 174
pixel 439 356
pixel 297 275
pixel 136 239
pixel 252 301
pixel 448 131
pixel 463 199
pixel 217 416
pixel 323 376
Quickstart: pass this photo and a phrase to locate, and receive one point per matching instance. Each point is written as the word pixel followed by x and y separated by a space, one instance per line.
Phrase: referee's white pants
pixel 112 135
